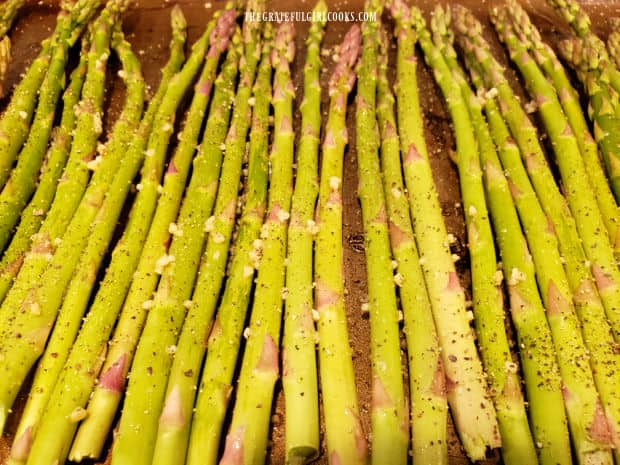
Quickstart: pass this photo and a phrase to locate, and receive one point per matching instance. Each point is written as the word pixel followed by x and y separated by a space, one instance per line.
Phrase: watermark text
pixel 311 16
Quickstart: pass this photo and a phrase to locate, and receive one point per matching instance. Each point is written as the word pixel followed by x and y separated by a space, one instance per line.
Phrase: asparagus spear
pixel 103 404
pixel 613 41
pixel 175 179
pixel 249 429
pixel 346 442
pixel 8 13
pixel 77 294
pixel 72 183
pixel 596 330
pixel 15 120
pixel 172 439
pixel 581 398
pixel 588 223
pixel 75 175
pixel 206 422
pixel 572 168
pixel 70 394
pixel 23 305
pixel 23 178
pixel 57 155
pixel 429 407
pixel 466 384
pixel 529 36
pixel 579 21
pixel 540 368
pixel 178 268
pixel 5 59
pixel 517 442
pixel 389 423
pixel 299 378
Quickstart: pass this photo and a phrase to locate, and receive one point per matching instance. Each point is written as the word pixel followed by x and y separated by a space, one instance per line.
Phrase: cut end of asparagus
pixel 233 452
pixel 21 446
pixel 302 455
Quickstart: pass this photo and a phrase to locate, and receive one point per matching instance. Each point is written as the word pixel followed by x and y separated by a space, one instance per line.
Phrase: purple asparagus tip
pixel 349 53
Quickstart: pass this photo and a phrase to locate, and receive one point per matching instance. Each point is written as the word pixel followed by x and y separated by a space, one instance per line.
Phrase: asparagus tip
pixel 320 8
pixel 220 36
pixel 177 18
pixel 349 53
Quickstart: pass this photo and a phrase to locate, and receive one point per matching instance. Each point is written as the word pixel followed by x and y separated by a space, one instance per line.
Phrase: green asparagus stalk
pixel 574 15
pixel 103 404
pixel 75 176
pixel 173 446
pixel 88 130
pixel 249 430
pixel 346 442
pixel 572 168
pixel 15 120
pixel 173 437
pixel 299 377
pixel 613 41
pixel 472 138
pixel 8 13
pixel 529 36
pixel 81 370
pixel 70 394
pixel 429 406
pixel 466 383
pixel 77 294
pixel 517 441
pixel 583 207
pixel 206 422
pixel 538 360
pixel 389 422
pixel 5 59
pixel 581 399
pixel 596 330
pixel 26 314
pixel 57 156
pixel 23 178
pixel 579 21
pixel 72 184
pixel 178 269
pixel 175 178
pixel 603 103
